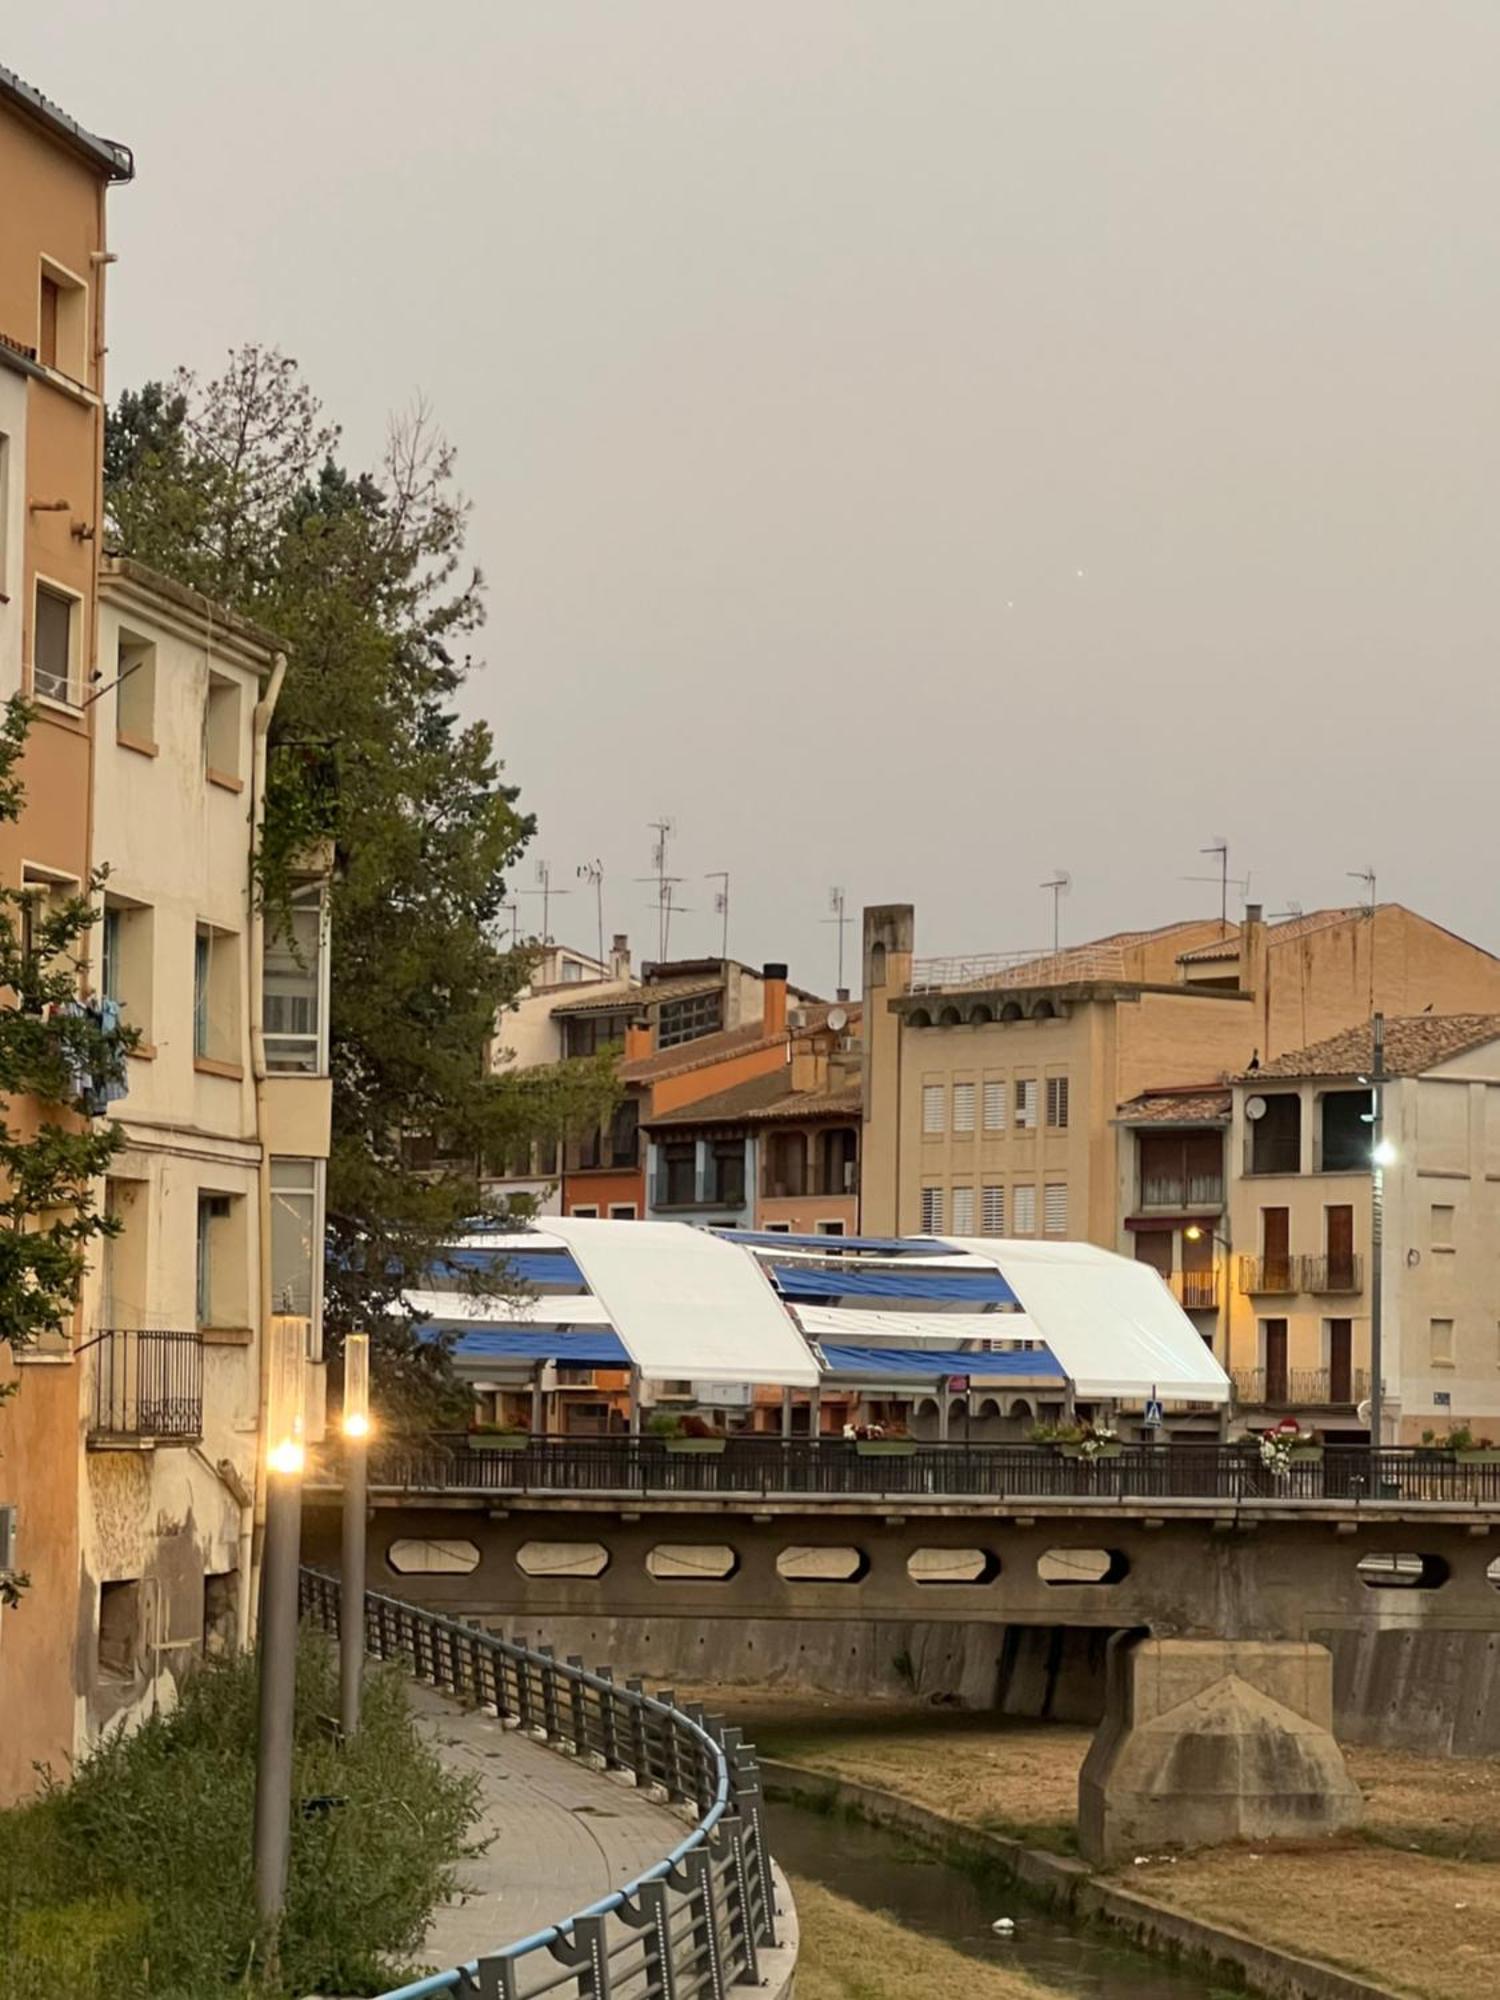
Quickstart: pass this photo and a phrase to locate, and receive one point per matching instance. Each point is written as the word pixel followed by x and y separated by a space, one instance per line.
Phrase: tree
pixel 56 1067
pixel 234 485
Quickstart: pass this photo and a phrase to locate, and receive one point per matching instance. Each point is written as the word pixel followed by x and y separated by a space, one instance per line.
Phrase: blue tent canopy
pixel 975 1287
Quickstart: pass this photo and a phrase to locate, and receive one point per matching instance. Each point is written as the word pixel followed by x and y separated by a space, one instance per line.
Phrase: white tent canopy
pixel 868 1326
pixel 1114 1327
pixel 686 1304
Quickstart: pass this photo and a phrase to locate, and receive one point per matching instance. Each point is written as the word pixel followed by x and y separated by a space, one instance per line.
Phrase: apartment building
pixel 56 176
pixel 1299 1231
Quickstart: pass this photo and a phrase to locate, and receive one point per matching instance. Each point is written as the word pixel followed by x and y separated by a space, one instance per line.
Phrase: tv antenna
pixel 663 828
pixel 836 905
pixel 546 891
pixel 721 904
pixel 1059 882
pixel 513 911
pixel 1367 876
pixel 1220 846
pixel 592 872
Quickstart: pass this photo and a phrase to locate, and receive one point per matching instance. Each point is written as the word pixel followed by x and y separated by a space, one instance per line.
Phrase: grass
pixel 850 1953
pixel 133 1882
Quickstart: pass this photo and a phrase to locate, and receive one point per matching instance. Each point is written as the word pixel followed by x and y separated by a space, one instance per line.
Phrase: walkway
pixel 561 1835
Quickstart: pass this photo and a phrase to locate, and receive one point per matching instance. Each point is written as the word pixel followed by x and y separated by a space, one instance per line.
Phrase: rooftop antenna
pixel 1220 846
pixel 546 891
pixel 836 905
pixel 513 911
pixel 663 828
pixel 721 904
pixel 592 872
pixel 1367 876
pixel 1059 882
pixel 668 910
pixel 1293 909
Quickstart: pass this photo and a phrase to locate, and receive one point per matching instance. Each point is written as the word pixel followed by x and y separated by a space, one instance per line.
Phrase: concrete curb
pixel 1279 1975
pixel 778 1968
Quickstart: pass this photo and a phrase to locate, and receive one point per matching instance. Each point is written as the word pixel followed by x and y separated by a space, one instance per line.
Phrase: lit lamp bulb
pixel 357 1385
pixel 285 1451
pixel 1384 1154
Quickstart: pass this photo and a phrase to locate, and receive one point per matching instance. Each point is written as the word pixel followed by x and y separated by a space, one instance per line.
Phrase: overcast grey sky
pixel 915 443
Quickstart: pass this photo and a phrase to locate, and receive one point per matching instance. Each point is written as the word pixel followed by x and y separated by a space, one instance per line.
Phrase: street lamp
pixel 356 1427
pixel 285 1453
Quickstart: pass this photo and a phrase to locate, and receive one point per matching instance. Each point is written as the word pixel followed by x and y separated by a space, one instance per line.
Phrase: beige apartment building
pixel 1300 1223
pixel 225 1118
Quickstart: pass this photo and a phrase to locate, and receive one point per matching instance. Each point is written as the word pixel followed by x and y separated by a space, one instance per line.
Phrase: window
pixel 620 1211
pixel 200 993
pixel 1275 1133
pixel 216 1010
pixel 572 972
pixel 592 1032
pixel 295 1235
pixel 963 1107
pixel 1057 1102
pixel 685 1020
pixel 221 731
pixel 109 955
pixel 992 1212
pixel 54 645
pixel 1344 1131
pixel 830 1227
pixel 120 1627
pixel 932 1210
pixel 963 1211
pixel 1026 1103
pixel 677 1175
pixel 5 471
pixel 62 322
pixel 295 992
pixel 778 1229
pixel 222 1294
pixel 125 961
pixel 135 692
pixel 727 1171
pixel 1440 1338
pixel 624 1133
pixel 786 1165
pixel 1055 1208
pixel 46 343
pixel 1442 1225
pixel 1023 1210
pixel 584 1208
pixel 933 1096
pixel 994 1107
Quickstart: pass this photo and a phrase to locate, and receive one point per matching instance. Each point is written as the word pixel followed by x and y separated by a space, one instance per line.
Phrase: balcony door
pixel 1340 1356
pixel 1276 1250
pixel 1339 1243
pixel 1273 1340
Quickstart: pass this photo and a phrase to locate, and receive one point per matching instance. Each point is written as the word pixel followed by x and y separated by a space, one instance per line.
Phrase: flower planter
pixel 499 1440
pixel 1479 1454
pixel 1081 1450
pixel 694 1447
pixel 886 1447
pixel 1307 1454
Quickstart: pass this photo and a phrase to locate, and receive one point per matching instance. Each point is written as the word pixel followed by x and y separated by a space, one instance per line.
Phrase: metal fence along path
pixel 689 1928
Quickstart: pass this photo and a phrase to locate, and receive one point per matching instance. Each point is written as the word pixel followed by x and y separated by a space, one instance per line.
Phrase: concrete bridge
pixel 997 1574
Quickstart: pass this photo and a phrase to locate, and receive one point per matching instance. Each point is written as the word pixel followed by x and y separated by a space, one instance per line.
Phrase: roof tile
pixel 1413 1043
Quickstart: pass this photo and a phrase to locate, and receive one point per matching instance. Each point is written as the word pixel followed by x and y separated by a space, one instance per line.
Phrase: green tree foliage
pixel 234 485
pixel 134 1881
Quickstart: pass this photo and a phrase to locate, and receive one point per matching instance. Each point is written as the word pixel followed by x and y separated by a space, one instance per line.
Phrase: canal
pixel 885 1920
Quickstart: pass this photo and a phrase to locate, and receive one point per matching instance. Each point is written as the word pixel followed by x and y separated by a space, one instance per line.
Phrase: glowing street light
pixel 1383 1153
pixel 356 1428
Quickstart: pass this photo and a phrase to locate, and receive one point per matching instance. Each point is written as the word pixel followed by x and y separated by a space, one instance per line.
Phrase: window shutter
pixel 932 1210
pixel 1026 1104
pixel 1057 1101
pixel 932 1108
pixel 994 1107
pixel 963 1211
pixel 992 1212
pixel 963 1109
pixel 1055 1208
pixel 1023 1210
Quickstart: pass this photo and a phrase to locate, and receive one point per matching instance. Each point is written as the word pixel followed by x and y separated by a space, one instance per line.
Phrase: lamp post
pixel 1195 1233
pixel 278 1615
pixel 356 1424
pixel 1382 1154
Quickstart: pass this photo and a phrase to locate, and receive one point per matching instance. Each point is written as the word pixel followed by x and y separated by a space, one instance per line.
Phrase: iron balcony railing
pixel 698 1921
pixel 1270 1274
pixel 1301 1388
pixel 1196 1291
pixel 622 1468
pixel 147 1387
pixel 1343 1273
pixel 1197 1191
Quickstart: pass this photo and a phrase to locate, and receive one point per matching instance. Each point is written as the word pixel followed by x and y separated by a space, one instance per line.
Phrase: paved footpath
pixel 561 1834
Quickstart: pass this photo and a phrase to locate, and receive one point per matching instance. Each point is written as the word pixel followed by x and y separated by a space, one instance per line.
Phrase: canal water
pixel 879 1870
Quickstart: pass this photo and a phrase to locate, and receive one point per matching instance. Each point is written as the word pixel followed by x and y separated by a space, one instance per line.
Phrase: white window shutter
pixel 992 1212
pixel 1057 1102
pixel 932 1210
pixel 994 1107
pixel 932 1108
pixel 1055 1208
pixel 1026 1104
pixel 963 1109
pixel 963 1211
pixel 1023 1210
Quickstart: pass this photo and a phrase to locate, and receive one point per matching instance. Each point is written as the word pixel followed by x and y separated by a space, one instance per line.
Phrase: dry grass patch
pixel 849 1953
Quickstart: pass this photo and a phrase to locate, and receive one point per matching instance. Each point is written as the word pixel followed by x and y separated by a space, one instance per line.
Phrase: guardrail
pixel 767 1468
pixel 697 1922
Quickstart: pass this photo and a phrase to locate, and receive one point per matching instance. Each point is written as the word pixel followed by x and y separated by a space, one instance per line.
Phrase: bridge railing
pixel 699 1920
pixel 831 1468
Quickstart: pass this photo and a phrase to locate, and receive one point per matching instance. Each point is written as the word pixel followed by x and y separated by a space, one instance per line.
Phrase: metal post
pixel 278 1688
pixel 352 1583
pixel 635 1402
pixel 1377 1238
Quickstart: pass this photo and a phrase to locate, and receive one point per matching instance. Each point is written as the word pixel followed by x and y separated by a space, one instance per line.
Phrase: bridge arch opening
pixel 1090 1567
pixel 692 1562
pixel 425 1555
pixel 950 1566
pixel 804 1562
pixel 562 1559
pixel 1405 1570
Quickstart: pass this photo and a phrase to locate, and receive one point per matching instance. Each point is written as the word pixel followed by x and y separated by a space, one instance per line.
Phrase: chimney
pixel 619 956
pixel 773 999
pixel 638 1041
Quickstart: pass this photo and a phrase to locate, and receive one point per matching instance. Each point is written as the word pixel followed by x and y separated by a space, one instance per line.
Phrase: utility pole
pixel 1380 1154
pixel 593 872
pixel 836 904
pixel 356 1428
pixel 721 905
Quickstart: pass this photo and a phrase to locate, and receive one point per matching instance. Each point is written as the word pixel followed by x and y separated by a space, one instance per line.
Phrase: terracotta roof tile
pixel 1208 1105
pixel 697 1054
pixel 640 997
pixel 765 1098
pixel 1283 933
pixel 1413 1043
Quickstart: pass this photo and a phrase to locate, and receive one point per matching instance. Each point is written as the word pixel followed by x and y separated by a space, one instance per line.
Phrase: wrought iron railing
pixel 763 1468
pixel 147 1387
pixel 1301 1388
pixel 695 1924
pixel 1196 1291
pixel 1345 1273
pixel 1195 1191
pixel 1270 1274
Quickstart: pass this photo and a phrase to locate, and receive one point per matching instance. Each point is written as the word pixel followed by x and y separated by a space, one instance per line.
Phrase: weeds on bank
pixel 133 1882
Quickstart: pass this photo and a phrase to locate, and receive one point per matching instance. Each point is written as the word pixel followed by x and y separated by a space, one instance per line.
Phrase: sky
pixel 916 445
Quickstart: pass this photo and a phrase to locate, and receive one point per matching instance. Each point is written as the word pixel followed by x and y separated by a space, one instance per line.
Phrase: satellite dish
pixel 1255 1107
pixel 838 1019
pixel 1363 1412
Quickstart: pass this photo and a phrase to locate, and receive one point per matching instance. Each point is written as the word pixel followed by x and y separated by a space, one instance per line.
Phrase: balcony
pixel 1187 1191
pixel 1276 1275
pixel 148 1389
pixel 719 1190
pixel 1196 1291
pixel 1330 1275
pixel 1300 1388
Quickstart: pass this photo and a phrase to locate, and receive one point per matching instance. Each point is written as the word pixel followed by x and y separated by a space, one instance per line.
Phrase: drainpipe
pixel 253 1520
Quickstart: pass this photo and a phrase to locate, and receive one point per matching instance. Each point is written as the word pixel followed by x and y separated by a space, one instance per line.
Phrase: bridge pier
pixel 1211 1740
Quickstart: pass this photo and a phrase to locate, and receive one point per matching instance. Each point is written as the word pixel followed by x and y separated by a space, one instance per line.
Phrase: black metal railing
pixel 1301 1388
pixel 1182 1190
pixel 699 1920
pixel 764 1468
pixel 147 1387
pixel 1196 1291
pixel 1269 1274
pixel 1342 1273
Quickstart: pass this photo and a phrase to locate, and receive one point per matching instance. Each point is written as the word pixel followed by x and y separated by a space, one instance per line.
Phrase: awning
pixel 870 1326
pixel 983 1285
pixel 686 1304
pixel 474 1309
pixel 929 1364
pixel 1110 1320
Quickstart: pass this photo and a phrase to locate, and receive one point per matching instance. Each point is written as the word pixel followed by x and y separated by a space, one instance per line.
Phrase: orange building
pixel 52 265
